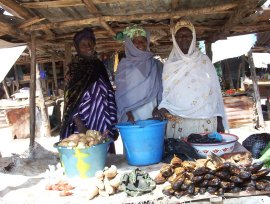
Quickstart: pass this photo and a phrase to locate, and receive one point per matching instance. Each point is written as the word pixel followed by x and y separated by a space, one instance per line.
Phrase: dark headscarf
pixel 83 72
pixel 86 33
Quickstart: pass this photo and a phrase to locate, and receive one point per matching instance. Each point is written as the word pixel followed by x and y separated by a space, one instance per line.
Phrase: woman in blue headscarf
pixel 138 78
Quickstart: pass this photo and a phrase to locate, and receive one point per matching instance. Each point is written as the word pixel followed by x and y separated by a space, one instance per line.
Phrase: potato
pixel 99 175
pixel 74 137
pixel 81 145
pixel 63 144
pixel 72 144
pixel 116 181
pixel 111 172
pixel 93 192
pixel 82 135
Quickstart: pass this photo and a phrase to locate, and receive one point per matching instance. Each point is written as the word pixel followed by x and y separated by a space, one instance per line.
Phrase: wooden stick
pixel 260 121
pixel 54 77
pixel 68 56
pixel 32 102
pixel 6 89
pixel 30 22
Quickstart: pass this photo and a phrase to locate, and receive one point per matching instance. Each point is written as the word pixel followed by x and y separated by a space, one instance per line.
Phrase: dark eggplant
pixel 184 186
pixel 226 185
pixel 235 190
pixel 220 191
pixel 176 162
pixel 168 190
pixel 260 174
pixel 166 170
pixel 200 171
pixel 211 189
pixel 244 174
pixel 159 179
pixel 235 170
pixel 260 185
pixel 202 190
pixel 236 179
pixel 224 175
pixel 225 165
pixel 177 182
pixel 191 189
pixel 197 179
pixel 204 183
pixel 179 194
pixel 214 182
pixel 256 167
pixel 208 176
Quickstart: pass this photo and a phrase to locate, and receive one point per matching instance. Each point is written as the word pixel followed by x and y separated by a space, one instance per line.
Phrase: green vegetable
pixel 265 156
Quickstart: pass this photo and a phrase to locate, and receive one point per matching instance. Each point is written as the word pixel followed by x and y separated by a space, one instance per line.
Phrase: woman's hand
pixel 130 117
pixel 80 125
pixel 160 114
pixel 220 127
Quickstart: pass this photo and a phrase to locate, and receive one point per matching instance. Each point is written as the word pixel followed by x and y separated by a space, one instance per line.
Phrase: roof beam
pixel 30 22
pixel 147 16
pixel 93 9
pixel 15 9
pixel 66 3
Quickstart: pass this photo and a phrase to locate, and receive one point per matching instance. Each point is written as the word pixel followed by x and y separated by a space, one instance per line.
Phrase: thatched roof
pixel 54 22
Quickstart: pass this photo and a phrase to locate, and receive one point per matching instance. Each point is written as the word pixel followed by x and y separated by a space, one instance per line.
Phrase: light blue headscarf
pixel 138 79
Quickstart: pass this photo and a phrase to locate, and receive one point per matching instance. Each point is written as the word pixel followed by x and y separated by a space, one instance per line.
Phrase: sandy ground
pixel 26 182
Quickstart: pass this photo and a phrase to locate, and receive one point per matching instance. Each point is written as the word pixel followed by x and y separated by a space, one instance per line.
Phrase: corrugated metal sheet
pixel 239 110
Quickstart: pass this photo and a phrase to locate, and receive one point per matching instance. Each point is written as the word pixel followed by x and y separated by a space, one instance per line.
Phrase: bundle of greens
pixel 265 156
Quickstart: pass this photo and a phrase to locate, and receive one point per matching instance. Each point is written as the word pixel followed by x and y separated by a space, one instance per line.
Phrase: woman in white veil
pixel 191 99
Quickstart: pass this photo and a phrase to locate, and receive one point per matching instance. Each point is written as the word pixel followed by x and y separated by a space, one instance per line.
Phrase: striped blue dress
pixel 97 109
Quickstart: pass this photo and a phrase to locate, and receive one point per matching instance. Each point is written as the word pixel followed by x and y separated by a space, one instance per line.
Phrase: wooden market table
pixel 19 187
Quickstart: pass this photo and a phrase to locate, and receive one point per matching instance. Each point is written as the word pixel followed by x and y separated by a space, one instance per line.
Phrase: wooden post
pixel 208 49
pixel 229 74
pixel 16 76
pixel 54 77
pixel 260 121
pixel 68 55
pixel 46 128
pixel 32 101
pixel 6 89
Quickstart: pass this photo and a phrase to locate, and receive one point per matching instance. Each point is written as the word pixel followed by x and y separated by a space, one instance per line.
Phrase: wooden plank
pixel 260 121
pixel 15 9
pixel 68 3
pixel 143 16
pixel 32 102
pixel 30 22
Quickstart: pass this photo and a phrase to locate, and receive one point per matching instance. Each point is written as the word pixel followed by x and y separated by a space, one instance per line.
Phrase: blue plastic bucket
pixel 143 142
pixel 83 162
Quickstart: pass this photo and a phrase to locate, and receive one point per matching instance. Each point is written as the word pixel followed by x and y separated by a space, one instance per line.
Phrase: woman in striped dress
pixel 89 96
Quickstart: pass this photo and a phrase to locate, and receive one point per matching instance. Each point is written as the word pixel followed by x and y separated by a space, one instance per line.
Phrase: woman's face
pixel 86 47
pixel 140 43
pixel 183 38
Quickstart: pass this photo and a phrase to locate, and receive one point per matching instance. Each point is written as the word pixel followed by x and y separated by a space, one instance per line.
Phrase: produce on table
pixel 213 175
pixel 137 182
pixel 81 140
pixel 64 187
pixel 106 182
